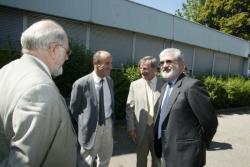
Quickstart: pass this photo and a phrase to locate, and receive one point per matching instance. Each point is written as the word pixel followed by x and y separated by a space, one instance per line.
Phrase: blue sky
pixel 169 6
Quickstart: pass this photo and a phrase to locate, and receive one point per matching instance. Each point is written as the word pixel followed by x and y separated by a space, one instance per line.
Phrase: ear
pixel 52 50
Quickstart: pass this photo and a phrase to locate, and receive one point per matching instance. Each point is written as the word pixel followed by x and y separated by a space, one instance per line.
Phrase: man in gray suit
pixel 186 121
pixel 140 111
pixel 35 126
pixel 93 112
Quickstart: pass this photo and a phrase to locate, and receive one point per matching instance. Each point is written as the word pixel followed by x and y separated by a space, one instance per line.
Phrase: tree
pixel 190 9
pixel 229 16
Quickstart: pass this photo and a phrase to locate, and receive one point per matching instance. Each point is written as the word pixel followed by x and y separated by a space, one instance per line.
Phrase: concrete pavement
pixel 230 146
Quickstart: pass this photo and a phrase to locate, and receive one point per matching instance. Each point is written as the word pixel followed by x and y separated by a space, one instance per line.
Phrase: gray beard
pixel 170 75
pixel 57 72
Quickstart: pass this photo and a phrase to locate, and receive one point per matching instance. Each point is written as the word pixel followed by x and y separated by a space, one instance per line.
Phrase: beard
pixel 58 71
pixel 171 75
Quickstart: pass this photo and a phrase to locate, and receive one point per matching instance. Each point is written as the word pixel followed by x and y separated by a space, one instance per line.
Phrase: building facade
pixel 129 31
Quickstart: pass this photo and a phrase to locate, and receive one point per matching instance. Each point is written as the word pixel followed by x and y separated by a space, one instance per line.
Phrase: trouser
pixel 145 146
pixel 102 150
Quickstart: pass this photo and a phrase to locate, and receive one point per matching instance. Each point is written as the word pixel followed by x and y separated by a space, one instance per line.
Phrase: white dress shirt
pixel 106 93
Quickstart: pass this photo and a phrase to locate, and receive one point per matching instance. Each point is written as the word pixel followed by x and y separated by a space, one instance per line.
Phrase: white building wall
pixel 130 31
pixel 134 17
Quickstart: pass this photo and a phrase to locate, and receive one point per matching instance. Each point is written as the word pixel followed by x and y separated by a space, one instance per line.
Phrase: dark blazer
pixel 189 126
pixel 84 108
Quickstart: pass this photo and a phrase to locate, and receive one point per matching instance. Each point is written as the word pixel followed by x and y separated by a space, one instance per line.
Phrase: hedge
pixel 224 92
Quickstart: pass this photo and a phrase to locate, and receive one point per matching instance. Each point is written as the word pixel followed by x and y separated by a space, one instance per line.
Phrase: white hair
pixel 174 52
pixel 40 34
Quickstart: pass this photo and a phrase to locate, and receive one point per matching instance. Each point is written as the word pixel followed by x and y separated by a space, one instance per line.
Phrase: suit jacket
pixel 35 129
pixel 84 108
pixel 137 106
pixel 189 126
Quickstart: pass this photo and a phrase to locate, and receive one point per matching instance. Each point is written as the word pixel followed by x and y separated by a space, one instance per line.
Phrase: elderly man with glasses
pixel 35 126
pixel 185 122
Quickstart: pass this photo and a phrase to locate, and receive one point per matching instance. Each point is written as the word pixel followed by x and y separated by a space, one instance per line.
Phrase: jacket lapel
pixel 110 84
pixel 91 84
pixel 157 92
pixel 160 101
pixel 174 94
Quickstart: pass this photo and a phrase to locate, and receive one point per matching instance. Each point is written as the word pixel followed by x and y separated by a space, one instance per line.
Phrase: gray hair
pixel 151 59
pixel 174 52
pixel 98 55
pixel 40 34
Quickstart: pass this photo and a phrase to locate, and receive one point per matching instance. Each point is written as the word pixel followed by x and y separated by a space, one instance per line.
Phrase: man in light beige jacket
pixel 141 108
pixel 35 126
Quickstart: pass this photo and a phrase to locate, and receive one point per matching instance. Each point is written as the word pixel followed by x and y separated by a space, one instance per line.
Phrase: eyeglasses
pixel 167 62
pixel 68 51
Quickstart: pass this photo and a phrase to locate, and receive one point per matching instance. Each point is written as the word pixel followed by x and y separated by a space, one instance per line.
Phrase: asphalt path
pixel 230 146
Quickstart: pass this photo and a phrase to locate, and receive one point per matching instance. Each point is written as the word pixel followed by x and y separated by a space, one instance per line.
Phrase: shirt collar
pixel 41 63
pixel 173 82
pixel 97 79
pixel 153 80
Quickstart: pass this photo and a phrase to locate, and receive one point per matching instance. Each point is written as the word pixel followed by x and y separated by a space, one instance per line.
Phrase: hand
pixel 132 135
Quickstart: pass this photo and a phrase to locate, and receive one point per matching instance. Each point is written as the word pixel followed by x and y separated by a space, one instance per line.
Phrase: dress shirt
pixel 150 88
pixel 164 104
pixel 106 93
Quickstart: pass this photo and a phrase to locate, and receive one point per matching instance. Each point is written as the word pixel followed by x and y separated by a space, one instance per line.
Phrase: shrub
pixel 7 56
pixel 122 79
pixel 216 90
pixel 235 91
pixel 228 92
pixel 78 65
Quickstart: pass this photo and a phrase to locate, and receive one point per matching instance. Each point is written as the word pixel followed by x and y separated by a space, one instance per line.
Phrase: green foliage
pixel 228 16
pixel 132 72
pixel 78 65
pixel 190 9
pixel 216 90
pixel 121 86
pixel 122 79
pixel 228 92
pixel 224 92
pixel 237 91
pixel 7 56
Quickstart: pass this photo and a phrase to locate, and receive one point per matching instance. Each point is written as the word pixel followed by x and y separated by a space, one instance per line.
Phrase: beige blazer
pixel 137 107
pixel 35 129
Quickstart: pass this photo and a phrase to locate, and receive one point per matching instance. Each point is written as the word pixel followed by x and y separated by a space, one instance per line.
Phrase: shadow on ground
pixel 219 146
pixel 122 144
pixel 232 111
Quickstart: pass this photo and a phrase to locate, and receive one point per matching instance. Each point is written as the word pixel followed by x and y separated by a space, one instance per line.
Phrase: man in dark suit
pixel 93 112
pixel 186 121
pixel 141 108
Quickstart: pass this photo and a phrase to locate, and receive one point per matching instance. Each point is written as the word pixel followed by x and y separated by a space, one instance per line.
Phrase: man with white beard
pixel 185 122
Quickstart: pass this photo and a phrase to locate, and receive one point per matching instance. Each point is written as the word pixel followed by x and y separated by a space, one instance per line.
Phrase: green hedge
pixel 78 65
pixel 122 79
pixel 7 56
pixel 228 92
pixel 224 92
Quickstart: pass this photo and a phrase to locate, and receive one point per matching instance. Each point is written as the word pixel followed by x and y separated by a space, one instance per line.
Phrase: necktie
pixel 101 120
pixel 150 99
pixel 163 108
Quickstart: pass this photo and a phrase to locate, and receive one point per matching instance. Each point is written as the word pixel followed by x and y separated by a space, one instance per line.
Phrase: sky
pixel 169 6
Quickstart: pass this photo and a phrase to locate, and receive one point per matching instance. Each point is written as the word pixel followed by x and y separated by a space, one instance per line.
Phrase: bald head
pixel 40 34
pixel 102 61
pixel 99 55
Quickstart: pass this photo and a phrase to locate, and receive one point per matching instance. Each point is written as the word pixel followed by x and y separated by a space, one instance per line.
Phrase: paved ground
pixel 230 146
